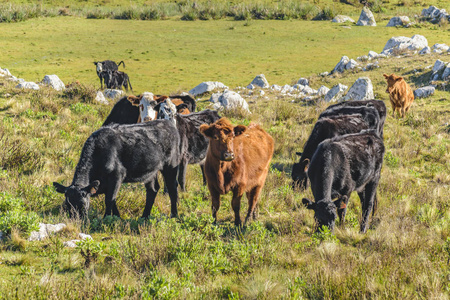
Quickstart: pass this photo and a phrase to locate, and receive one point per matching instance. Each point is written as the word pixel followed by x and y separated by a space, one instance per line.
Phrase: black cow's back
pixel 123 112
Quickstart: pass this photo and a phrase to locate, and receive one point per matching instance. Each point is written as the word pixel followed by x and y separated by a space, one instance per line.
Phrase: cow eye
pixel 216 137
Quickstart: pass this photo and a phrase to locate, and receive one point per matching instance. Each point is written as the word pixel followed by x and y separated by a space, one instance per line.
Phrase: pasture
pixel 404 254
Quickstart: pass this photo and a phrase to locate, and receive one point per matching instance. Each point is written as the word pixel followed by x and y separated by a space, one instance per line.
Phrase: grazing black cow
pixel 325 128
pixel 368 113
pixel 105 66
pixel 377 104
pixel 117 79
pixel 123 112
pixel 341 165
pixel 126 153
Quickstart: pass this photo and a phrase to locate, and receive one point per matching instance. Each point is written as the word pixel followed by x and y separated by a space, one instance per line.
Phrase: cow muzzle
pixel 228 156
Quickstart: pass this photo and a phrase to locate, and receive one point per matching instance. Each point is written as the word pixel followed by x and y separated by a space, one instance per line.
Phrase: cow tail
pixel 121 62
pixel 375 205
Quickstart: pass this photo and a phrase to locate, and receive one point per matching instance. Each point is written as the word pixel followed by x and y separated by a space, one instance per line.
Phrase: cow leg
pixel 170 180
pixel 101 82
pixel 182 168
pixel 367 197
pixel 252 196
pixel 152 189
pixel 236 204
pixel 215 202
pixel 110 197
pixel 202 166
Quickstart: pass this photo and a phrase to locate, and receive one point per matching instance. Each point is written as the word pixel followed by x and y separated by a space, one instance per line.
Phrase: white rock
pixel 54 82
pixel 84 236
pixel 28 85
pixel 372 54
pixel 362 89
pixel 113 94
pixel 446 74
pixel 340 67
pixel 403 43
pixel 215 97
pixel 426 50
pixel 441 47
pixel 230 100
pixel 101 98
pixel 363 58
pixel 4 72
pixel 398 21
pixel 308 90
pixel 71 243
pixel 250 86
pixel 424 92
pixel 303 81
pixel 261 81
pixel 323 74
pixel 438 65
pixel 434 13
pixel 371 66
pixel 275 87
pixel 323 90
pixel 207 86
pixel 261 93
pixel 366 18
pixel 45 230
pixel 287 89
pixel 351 64
pixel 342 19
pixel 336 93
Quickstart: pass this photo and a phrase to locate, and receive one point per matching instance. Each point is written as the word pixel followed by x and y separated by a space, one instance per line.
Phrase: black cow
pixel 339 166
pixel 191 103
pixel 117 79
pixel 377 104
pixel 123 112
pixel 325 128
pixel 125 153
pixel 105 66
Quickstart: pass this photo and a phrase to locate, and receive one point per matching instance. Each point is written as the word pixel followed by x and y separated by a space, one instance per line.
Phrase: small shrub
pixel 19 219
pixel 90 250
pixel 391 160
pixel 81 92
pixel 16 155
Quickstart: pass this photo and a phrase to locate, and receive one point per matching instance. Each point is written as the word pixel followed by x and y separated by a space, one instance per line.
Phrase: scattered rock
pixel 403 43
pixel 446 74
pixel 434 14
pixel 84 236
pixel 112 94
pixel 275 87
pixel 45 230
pixel 398 21
pixel 426 50
pixel 440 47
pixel 207 86
pixel 342 19
pixel 371 66
pixel 250 86
pixel 424 92
pixel 229 100
pixel 324 74
pixel 4 72
pixel 323 90
pixel 438 65
pixel 28 85
pixel 363 58
pixel 351 65
pixel 372 54
pixel 71 243
pixel 261 81
pixel 366 18
pixel 54 82
pixel 362 89
pixel 335 93
pixel 101 98
pixel 303 81
pixel 340 67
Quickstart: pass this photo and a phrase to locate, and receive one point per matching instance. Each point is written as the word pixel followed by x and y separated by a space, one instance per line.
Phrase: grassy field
pixel 404 255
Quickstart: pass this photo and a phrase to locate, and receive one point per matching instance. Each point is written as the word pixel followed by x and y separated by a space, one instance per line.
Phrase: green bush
pixel 22 220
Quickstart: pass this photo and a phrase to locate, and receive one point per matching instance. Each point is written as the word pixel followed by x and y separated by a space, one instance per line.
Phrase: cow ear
pixel 308 203
pixel 93 187
pixel 207 130
pixel 398 78
pixel 239 129
pixel 306 165
pixel 59 187
pixel 298 153
pixel 95 62
pixel 385 76
pixel 134 100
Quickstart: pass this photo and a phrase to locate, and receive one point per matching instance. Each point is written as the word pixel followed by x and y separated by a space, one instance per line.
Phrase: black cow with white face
pixel 325 128
pixel 102 67
pixel 117 80
pixel 341 165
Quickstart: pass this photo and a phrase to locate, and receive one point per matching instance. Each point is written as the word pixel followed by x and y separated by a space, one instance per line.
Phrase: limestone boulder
pixel 101 98
pixel 426 50
pixel 322 91
pixel 54 82
pixel 113 94
pixel 28 85
pixel 403 43
pixel 366 18
pixel 352 64
pixel 362 89
pixel 303 81
pixel 207 86
pixel 45 230
pixel 340 67
pixel 424 92
pixel 446 73
pixel 434 14
pixel 440 48
pixel 398 21
pixel 4 72
pixel 260 81
pixel 342 19
pixel 335 93
pixel 229 100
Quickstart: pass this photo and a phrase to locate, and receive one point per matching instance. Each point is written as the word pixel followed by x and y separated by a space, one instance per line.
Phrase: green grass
pixel 404 255
pixel 170 55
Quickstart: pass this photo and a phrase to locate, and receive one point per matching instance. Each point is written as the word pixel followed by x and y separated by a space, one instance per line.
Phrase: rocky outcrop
pixel 303 81
pixel 362 89
pixel 336 93
pixel 54 82
pixel 366 18
pixel 322 91
pixel 398 21
pixel 113 94
pixel 435 14
pixel 399 44
pixel 228 100
pixel 207 86
pixel 340 67
pixel 101 98
pixel 426 50
pixel 440 48
pixel 28 85
pixel 45 230
pixel 424 92
pixel 260 81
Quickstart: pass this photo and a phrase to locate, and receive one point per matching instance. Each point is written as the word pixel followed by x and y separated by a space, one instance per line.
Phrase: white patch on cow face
pixel 99 67
pixel 146 107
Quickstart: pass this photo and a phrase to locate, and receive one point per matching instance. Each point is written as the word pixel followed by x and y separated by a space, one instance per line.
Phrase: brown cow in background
pixel 400 94
pixel 237 160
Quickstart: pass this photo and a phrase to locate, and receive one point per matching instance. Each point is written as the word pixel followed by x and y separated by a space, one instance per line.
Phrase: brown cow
pixel 237 160
pixel 400 94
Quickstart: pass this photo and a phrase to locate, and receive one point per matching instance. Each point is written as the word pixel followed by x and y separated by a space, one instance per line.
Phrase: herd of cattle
pixel 147 134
